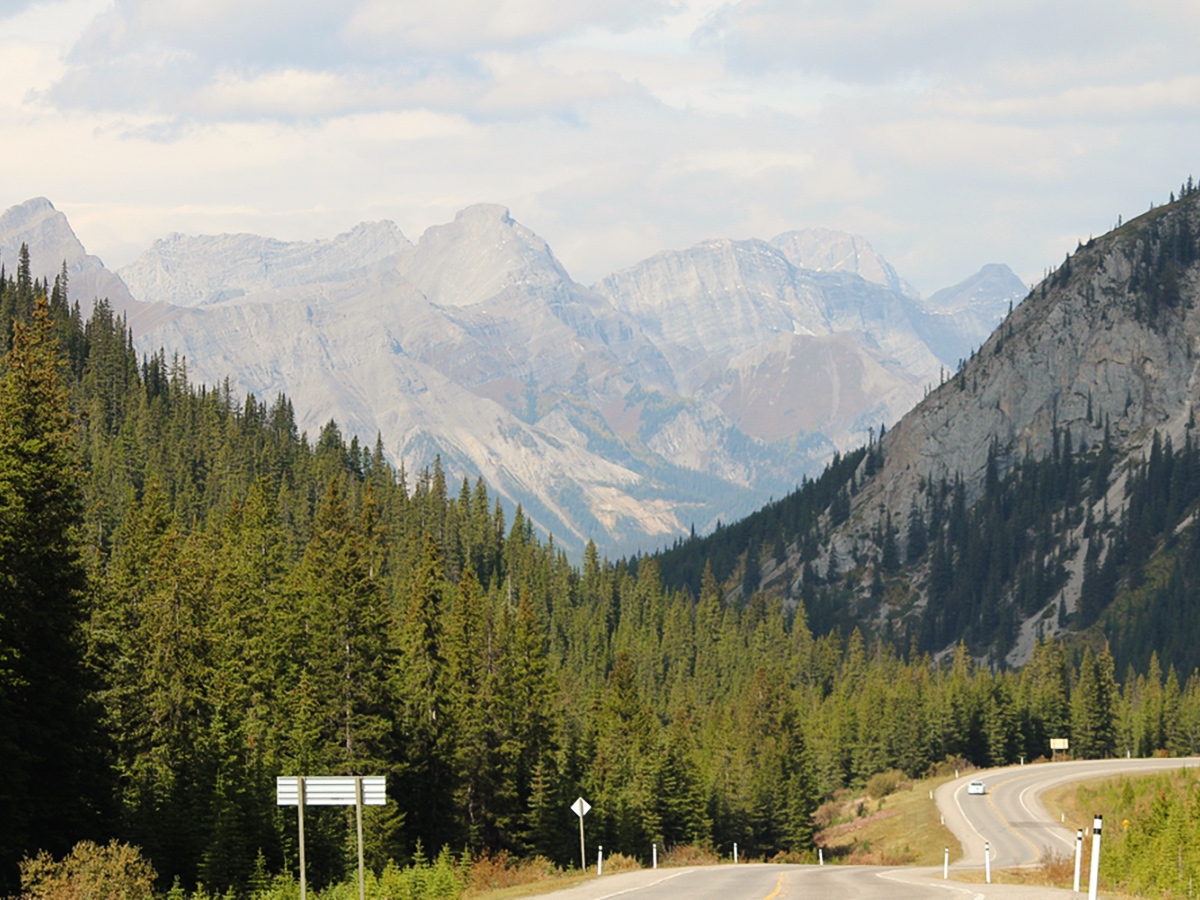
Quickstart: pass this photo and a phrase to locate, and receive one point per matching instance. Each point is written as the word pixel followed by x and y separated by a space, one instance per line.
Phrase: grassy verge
pixel 902 828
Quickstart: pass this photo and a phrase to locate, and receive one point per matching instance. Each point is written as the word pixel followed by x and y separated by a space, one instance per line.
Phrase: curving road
pixel 1009 816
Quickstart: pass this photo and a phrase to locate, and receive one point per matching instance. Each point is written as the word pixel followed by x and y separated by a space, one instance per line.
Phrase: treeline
pixel 198 599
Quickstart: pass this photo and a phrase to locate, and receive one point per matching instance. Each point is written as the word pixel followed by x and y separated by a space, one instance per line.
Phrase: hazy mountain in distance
pixel 185 270
pixel 682 391
pixel 45 230
pixel 826 250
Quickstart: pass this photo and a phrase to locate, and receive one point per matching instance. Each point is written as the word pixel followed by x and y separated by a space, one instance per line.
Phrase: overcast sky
pixel 951 133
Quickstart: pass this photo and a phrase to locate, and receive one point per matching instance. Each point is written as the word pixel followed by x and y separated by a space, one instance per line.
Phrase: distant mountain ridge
pixel 681 391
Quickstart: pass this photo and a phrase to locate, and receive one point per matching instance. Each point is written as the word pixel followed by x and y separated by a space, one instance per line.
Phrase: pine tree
pixel 47 722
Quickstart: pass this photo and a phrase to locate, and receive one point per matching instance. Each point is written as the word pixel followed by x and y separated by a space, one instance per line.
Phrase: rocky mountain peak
pixel 52 242
pixel 826 250
pixel 991 285
pixel 47 233
pixel 478 255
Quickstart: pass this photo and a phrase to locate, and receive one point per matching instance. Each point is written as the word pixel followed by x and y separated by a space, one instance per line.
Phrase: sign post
pixel 331 790
pixel 581 808
pixel 1059 745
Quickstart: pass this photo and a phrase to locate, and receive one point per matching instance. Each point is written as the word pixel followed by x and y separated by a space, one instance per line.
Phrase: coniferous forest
pixel 196 598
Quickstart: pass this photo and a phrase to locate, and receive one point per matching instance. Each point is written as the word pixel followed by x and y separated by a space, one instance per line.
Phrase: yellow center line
pixel 1037 851
pixel 780 887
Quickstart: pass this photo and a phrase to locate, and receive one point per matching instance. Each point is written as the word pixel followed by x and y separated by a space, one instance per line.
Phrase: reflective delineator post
pixel 599 860
pixel 735 853
pixel 1094 873
pixel 1078 856
pixel 987 861
pixel 946 866
pixel 820 856
pixel 655 854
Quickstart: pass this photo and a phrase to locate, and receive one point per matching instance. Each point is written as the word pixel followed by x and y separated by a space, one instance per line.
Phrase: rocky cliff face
pixel 1107 345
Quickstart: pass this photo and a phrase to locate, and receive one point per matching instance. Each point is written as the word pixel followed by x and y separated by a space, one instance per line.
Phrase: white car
pixel 976 787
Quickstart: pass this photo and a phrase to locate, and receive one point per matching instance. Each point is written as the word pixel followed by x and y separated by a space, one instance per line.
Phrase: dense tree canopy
pixel 197 599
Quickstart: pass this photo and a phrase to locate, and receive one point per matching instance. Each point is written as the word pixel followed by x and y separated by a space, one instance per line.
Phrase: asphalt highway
pixel 1009 817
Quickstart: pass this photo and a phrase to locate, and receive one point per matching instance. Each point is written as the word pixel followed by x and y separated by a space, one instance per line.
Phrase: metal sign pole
pixel 362 881
pixel 581 807
pixel 582 849
pixel 300 808
pixel 331 790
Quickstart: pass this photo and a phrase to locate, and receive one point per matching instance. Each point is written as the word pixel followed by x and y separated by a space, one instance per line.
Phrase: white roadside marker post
pixel 599 860
pixel 987 861
pixel 735 853
pixel 655 853
pixel 946 866
pixel 1094 874
pixel 1078 856
pixel 820 856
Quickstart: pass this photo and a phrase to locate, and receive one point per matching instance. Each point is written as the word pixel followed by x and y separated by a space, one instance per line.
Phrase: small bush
pixel 493 871
pixel 884 783
pixel 688 855
pixel 89 872
pixel 619 862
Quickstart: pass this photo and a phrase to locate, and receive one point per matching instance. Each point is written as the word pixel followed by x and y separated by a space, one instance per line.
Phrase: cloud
pixel 10 8
pixel 877 41
pixel 465 26
pixel 233 60
pixel 248 33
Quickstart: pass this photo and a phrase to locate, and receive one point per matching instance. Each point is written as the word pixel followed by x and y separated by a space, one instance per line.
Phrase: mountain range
pixel 662 399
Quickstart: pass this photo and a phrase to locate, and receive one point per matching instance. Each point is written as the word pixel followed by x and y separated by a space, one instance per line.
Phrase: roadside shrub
pixel 884 783
pixel 494 871
pixel 687 855
pixel 619 862
pixel 89 872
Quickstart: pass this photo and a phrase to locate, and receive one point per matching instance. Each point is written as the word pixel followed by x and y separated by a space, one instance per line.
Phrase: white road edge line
pixel 644 886
pixel 893 875
pixel 962 812
pixel 1055 828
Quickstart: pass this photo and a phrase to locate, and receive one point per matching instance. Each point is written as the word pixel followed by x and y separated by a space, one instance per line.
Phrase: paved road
pixel 1009 816
pixel 768 882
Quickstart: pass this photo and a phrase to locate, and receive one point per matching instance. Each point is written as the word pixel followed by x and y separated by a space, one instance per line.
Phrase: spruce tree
pixel 47 723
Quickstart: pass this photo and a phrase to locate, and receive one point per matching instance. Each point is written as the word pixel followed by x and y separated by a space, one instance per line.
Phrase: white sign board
pixel 331 790
pixel 1059 743
pixel 581 807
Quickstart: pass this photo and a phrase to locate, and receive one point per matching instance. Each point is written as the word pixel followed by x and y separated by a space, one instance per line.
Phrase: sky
pixel 949 133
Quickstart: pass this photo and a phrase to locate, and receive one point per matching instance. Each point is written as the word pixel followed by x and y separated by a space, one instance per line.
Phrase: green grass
pixel 903 828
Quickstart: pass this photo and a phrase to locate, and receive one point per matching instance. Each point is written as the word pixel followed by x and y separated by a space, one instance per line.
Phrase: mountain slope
pixel 1046 487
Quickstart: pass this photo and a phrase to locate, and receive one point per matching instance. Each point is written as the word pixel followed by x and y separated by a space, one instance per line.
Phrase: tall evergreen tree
pixel 47 722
